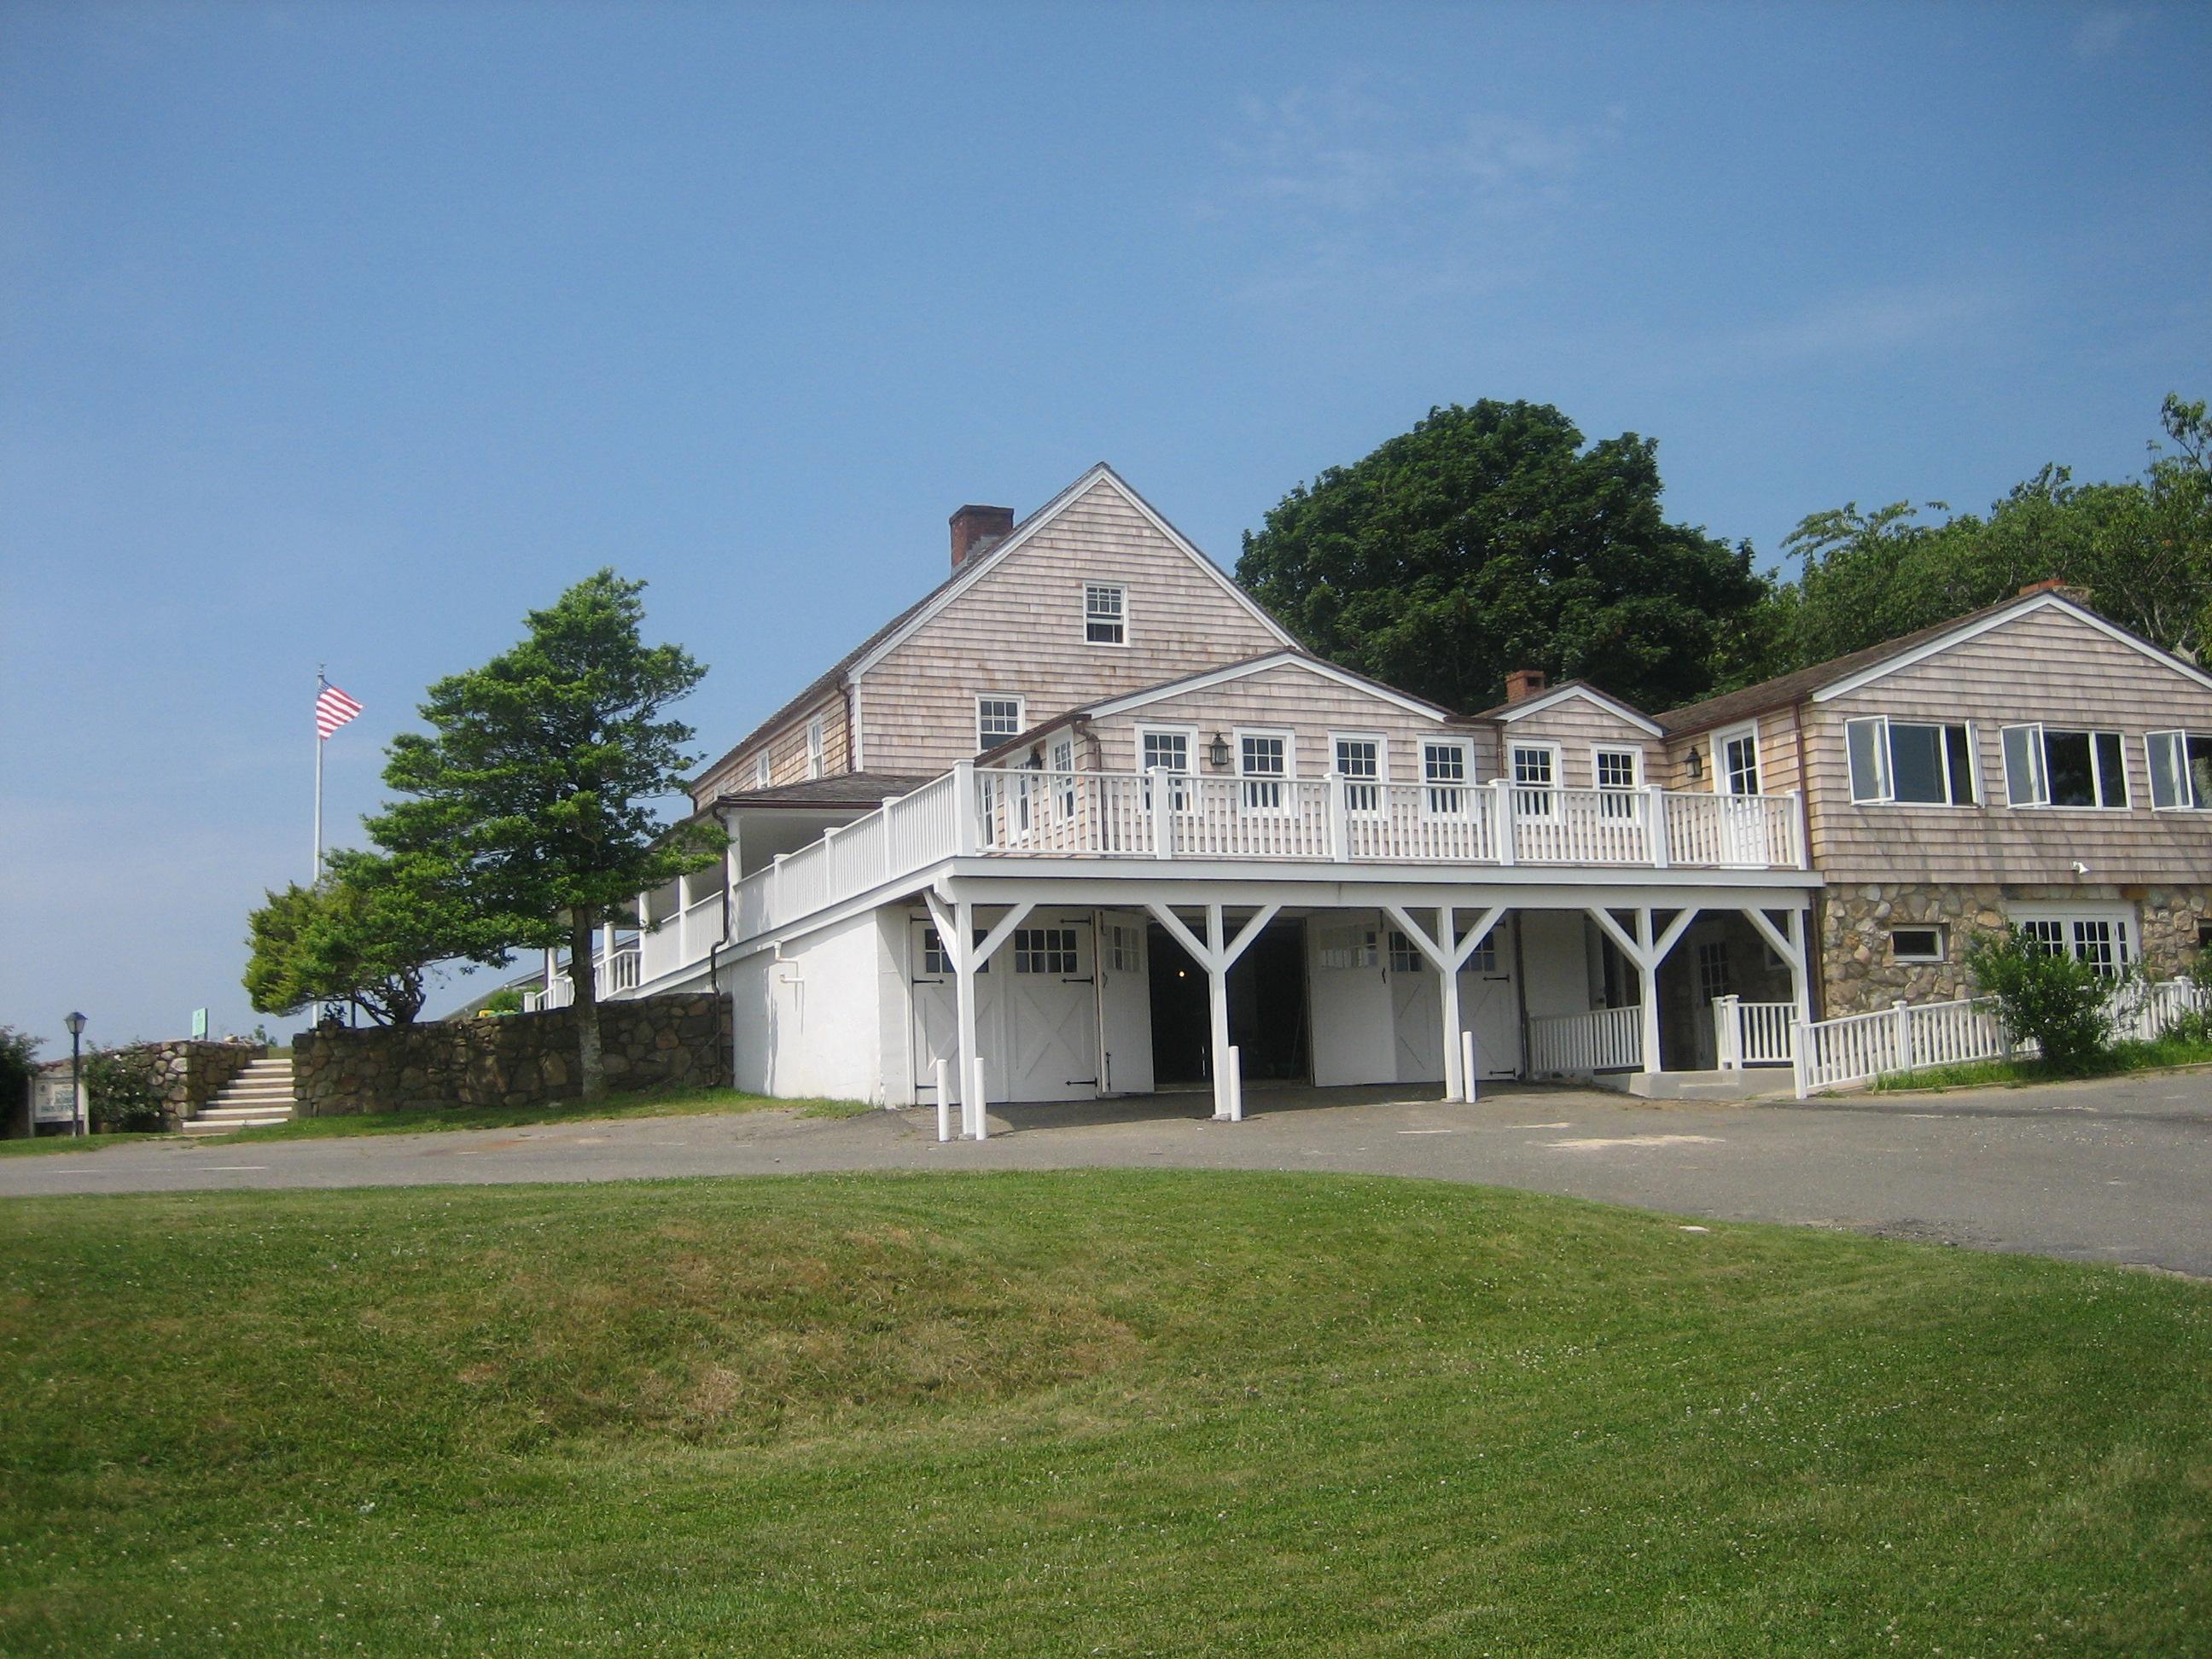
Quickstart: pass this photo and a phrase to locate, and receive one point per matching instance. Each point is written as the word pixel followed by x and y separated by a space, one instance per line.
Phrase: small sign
pixel 51 1101
pixel 199 1024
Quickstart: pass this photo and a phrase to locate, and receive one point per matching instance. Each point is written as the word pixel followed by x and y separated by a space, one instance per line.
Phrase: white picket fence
pixel 1751 1033
pixel 1833 1054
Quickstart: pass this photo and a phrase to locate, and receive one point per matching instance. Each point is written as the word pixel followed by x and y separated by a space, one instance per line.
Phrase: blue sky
pixel 344 334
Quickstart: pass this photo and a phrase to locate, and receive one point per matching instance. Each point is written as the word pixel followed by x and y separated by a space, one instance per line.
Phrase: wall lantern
pixel 1218 752
pixel 1695 763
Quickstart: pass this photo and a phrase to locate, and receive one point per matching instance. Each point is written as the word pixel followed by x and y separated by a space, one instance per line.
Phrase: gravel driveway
pixel 2104 1171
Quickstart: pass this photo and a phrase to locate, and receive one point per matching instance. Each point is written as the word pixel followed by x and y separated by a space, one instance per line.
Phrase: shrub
pixel 17 1052
pixel 2053 997
pixel 2196 1027
pixel 121 1090
pixel 509 1001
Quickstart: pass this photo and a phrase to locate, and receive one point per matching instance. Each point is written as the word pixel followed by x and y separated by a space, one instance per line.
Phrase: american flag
pixel 333 708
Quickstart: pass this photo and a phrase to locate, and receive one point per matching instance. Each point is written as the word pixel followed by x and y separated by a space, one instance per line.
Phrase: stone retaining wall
pixel 191 1073
pixel 1858 975
pixel 514 1059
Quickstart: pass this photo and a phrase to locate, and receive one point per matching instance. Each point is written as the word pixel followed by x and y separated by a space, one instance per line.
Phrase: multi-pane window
pixel 2045 766
pixel 814 747
pixel 933 959
pixel 2102 941
pixel 997 719
pixel 1264 762
pixel 1063 766
pixel 1614 771
pixel 761 765
pixel 1483 959
pixel 1535 773
pixel 1105 620
pixel 1443 769
pixel 1360 760
pixel 1125 950
pixel 1739 763
pixel 1349 947
pixel 1166 751
pixel 1405 957
pixel 1908 760
pixel 1044 949
pixel 1714 978
pixel 2180 770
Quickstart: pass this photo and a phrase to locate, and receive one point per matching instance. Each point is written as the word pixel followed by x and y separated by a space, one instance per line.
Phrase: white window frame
pixel 1546 795
pixel 1616 800
pixel 817 744
pixel 2069 918
pixel 1063 767
pixel 1119 619
pixel 1942 933
pixel 2037 740
pixel 1723 774
pixel 1181 797
pixel 1283 794
pixel 2180 781
pixel 1021 718
pixel 764 769
pixel 1364 796
pixel 1884 756
pixel 1433 790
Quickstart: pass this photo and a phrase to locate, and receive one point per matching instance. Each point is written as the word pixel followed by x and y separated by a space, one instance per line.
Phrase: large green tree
pixel 370 932
pixel 1492 538
pixel 2142 548
pixel 539 781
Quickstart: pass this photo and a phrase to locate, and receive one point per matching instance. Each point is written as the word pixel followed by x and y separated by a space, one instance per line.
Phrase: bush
pixel 2050 997
pixel 2196 1027
pixel 121 1092
pixel 17 1050
pixel 509 1001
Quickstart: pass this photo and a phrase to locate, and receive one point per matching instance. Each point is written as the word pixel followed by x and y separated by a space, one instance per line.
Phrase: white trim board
pixel 974 570
pixel 2026 607
pixel 1589 693
pixel 1238 671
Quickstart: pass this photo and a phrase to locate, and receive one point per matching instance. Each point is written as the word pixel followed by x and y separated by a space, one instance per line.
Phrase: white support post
pixel 943 1099
pixel 1340 818
pixel 1804 831
pixel 1502 796
pixel 962 951
pixel 981 1108
pixel 1472 1090
pixel 1654 825
pixel 1647 973
pixel 1447 980
pixel 1728 1035
pixel 1162 813
pixel 1903 1012
pixel 1235 1072
pixel 1217 996
pixel 1800 1061
pixel 966 834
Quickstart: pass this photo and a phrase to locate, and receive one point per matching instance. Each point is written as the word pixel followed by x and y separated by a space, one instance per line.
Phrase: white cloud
pixel 2102 31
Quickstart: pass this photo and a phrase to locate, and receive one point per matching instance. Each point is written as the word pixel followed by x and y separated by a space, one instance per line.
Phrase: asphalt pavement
pixel 2110 1171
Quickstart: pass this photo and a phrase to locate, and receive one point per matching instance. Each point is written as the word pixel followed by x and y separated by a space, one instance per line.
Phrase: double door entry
pixel 1037 1010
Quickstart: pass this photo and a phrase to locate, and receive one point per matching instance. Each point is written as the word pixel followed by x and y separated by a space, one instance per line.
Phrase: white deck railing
pixel 1603 1040
pixel 1019 813
pixel 1123 814
pixel 611 975
pixel 1751 1033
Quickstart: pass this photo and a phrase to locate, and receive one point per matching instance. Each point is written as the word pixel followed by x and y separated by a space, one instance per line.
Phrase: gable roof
pixel 1122 703
pixel 1565 691
pixel 1846 673
pixel 893 632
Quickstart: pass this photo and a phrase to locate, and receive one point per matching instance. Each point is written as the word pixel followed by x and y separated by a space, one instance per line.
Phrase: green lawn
pixel 44 1146
pixel 1097 1412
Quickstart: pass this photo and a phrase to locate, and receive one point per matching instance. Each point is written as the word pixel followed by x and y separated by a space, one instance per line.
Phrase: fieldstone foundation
pixel 517 1059
pixel 1858 974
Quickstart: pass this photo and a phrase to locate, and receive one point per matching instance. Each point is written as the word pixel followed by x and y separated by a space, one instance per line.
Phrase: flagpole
pixel 315 870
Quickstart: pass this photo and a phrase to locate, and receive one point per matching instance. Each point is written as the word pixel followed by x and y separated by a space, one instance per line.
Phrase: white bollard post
pixel 1236 1086
pixel 1904 1017
pixel 982 1130
pixel 1467 1089
pixel 943 1099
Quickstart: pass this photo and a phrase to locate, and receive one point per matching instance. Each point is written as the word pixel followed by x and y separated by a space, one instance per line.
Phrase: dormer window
pixel 1105 614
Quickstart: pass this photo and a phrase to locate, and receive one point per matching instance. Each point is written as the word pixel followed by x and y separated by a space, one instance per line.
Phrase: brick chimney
pixel 978 530
pixel 1523 684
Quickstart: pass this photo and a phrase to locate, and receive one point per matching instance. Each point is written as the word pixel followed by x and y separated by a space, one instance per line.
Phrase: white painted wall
pixel 810 1023
pixel 1555 962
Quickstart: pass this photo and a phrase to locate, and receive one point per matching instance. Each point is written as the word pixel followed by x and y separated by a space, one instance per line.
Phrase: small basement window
pixel 1916 944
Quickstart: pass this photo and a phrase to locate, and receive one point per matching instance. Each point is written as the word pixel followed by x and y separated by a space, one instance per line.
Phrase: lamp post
pixel 78 1115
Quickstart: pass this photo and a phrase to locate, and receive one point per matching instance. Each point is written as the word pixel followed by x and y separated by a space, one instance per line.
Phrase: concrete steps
pixel 260 1094
pixel 1749 1083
